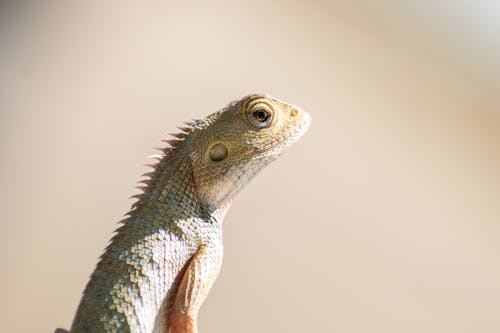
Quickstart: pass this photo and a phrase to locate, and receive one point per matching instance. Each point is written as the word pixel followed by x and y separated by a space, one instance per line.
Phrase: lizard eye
pixel 260 115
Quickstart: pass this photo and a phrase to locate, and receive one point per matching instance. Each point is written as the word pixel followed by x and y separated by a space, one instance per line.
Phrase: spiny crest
pixel 178 137
pixel 150 178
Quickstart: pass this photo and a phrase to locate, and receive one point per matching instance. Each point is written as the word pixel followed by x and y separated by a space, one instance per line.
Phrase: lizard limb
pixel 193 289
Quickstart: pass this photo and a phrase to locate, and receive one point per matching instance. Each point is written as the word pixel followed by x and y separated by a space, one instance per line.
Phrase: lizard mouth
pixel 301 127
pixel 289 135
pixel 306 122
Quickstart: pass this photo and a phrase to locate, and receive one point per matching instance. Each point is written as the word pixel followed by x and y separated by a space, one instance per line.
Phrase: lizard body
pixel 159 266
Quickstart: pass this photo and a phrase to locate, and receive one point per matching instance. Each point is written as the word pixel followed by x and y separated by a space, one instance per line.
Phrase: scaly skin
pixel 158 268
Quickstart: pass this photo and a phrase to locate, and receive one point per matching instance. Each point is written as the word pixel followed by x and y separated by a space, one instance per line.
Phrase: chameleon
pixel 166 254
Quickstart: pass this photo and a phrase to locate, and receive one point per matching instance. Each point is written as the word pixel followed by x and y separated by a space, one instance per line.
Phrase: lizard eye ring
pixel 260 115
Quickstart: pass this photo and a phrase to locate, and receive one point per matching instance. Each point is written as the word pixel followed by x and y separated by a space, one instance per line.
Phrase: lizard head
pixel 235 143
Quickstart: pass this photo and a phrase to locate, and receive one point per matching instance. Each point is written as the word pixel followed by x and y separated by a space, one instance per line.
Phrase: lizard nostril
pixel 294 112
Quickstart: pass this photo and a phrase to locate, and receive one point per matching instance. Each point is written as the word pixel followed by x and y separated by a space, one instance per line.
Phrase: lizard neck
pixel 135 279
pixel 176 188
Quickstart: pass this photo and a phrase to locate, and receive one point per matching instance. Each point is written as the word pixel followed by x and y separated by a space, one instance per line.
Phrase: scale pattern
pixel 175 227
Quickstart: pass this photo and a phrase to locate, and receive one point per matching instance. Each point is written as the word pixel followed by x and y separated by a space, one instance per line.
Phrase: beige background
pixel 383 218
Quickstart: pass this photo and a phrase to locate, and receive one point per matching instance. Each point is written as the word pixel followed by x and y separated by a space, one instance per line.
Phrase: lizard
pixel 167 252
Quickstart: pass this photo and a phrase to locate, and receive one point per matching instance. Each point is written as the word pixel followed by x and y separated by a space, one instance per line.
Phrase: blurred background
pixel 385 217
